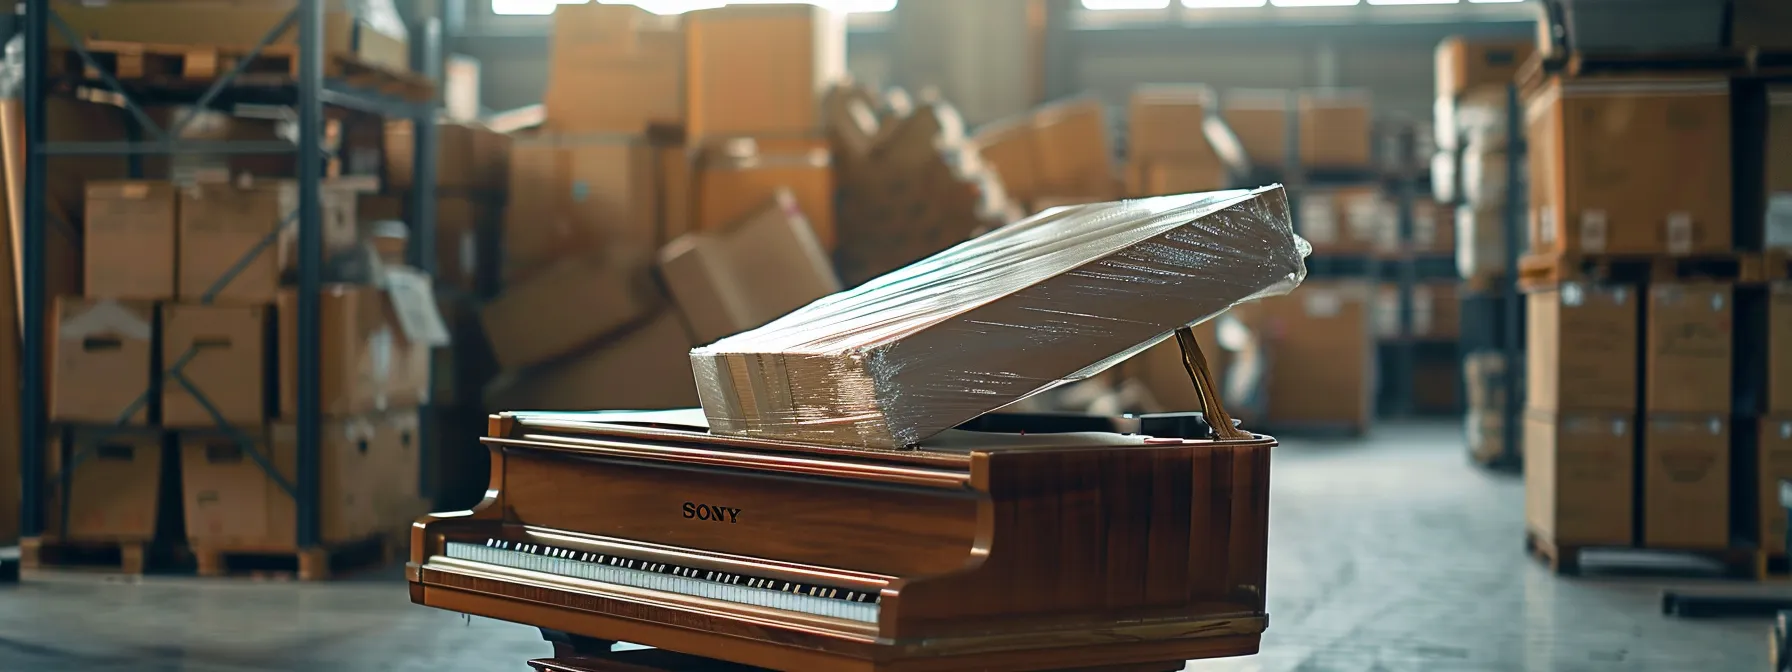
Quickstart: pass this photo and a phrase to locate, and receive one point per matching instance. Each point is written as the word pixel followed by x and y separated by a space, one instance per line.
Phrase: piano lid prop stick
pixel 1209 395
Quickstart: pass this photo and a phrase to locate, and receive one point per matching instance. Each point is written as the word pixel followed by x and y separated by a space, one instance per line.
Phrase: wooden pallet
pixel 118 557
pixel 143 63
pixel 1769 266
pixel 1564 559
pixel 1549 269
pixel 306 564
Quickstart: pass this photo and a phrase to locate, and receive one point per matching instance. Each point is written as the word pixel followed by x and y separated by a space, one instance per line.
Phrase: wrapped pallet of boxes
pixel 614 69
pixel 760 70
pixel 1629 166
pixel 833 371
pixel 369 31
pixel 759 269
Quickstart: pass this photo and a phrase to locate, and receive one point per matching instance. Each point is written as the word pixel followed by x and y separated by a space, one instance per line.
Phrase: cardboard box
pixel 575 194
pixel 228 364
pixel 1480 242
pixel 114 490
pixel 130 240
pixel 1777 227
pixel 1010 150
pixel 469 157
pixel 1464 64
pixel 1687 348
pixel 377 39
pixel 614 69
pixel 222 224
pixel 1779 348
pixel 730 188
pixel 1071 141
pixel 1581 349
pixel 1335 129
pixel 565 306
pixel 1165 124
pixel 232 503
pixel 1579 474
pixel 101 361
pixel 466 237
pixel 1686 482
pixel 1351 220
pixel 1485 433
pixel 357 347
pixel 1321 355
pixel 1260 120
pixel 644 367
pixel 1773 463
pixel 677 192
pixel 732 281
pixel 760 69
pixel 1165 177
pixel 1630 166
pixel 1435 311
pixel 396 455
pixel 1433 229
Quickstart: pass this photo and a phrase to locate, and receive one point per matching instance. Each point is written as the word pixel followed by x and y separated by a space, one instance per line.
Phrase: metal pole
pixel 32 421
pixel 311 116
pixel 1405 367
pixel 1512 341
pixel 424 133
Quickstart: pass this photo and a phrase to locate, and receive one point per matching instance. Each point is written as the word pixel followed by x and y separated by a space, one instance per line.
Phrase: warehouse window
pixel 544 7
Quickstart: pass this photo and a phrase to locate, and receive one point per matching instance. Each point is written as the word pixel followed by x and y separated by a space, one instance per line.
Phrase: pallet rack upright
pixel 310 92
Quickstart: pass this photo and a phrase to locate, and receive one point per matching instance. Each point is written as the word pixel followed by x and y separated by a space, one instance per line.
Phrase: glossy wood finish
pixel 1037 559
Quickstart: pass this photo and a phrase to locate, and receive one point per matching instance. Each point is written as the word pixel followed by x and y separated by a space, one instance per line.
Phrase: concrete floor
pixel 1387 554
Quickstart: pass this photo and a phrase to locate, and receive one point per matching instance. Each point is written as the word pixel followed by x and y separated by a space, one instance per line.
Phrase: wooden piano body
pixel 984 550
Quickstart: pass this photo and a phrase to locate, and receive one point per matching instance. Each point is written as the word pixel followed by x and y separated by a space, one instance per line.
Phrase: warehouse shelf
pixel 317 82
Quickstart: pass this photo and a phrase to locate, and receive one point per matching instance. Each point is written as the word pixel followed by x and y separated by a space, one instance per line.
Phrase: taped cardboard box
pixel 115 489
pixel 1579 474
pixel 1071 139
pixel 222 224
pixel 101 361
pixel 760 69
pixel 1048 300
pixel 1629 166
pixel 614 69
pixel 369 31
pixel 580 194
pixel 646 366
pixel 1165 124
pixel 225 348
pixel 1688 348
pixel 1779 348
pixel 1260 120
pixel 735 280
pixel 1581 348
pixel 1686 482
pixel 356 350
pixel 469 157
pixel 569 304
pixel 230 502
pixel 130 240
pixel 1335 129
pixel 1321 358
pixel 734 181
pixel 1464 63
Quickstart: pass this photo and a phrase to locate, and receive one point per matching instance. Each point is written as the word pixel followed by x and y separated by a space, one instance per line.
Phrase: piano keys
pixel 1001 546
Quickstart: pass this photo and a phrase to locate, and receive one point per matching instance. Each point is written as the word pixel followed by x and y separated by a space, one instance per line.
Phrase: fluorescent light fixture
pixel 1221 4
pixel 1413 2
pixel 1125 4
pixel 529 7
pixel 1489 2
pixel 545 7
pixel 1314 3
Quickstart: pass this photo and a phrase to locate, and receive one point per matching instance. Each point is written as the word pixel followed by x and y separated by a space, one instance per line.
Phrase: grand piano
pixel 993 548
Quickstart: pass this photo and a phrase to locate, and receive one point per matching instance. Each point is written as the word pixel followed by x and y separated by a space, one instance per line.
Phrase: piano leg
pixel 567 644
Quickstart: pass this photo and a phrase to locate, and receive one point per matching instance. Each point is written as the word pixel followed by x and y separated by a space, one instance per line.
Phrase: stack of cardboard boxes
pixel 1469 169
pixel 671 146
pixel 186 334
pixel 1058 154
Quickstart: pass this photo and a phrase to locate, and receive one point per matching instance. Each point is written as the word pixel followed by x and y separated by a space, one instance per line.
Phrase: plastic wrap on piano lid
pixel 1051 299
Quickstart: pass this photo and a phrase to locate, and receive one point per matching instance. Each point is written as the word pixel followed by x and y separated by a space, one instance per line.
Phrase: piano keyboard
pixel 740 588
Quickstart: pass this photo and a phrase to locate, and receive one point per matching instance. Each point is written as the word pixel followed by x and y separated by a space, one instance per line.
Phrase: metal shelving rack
pixel 309 94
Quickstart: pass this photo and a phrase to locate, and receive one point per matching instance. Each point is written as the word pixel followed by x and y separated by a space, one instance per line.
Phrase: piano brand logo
pixel 720 514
